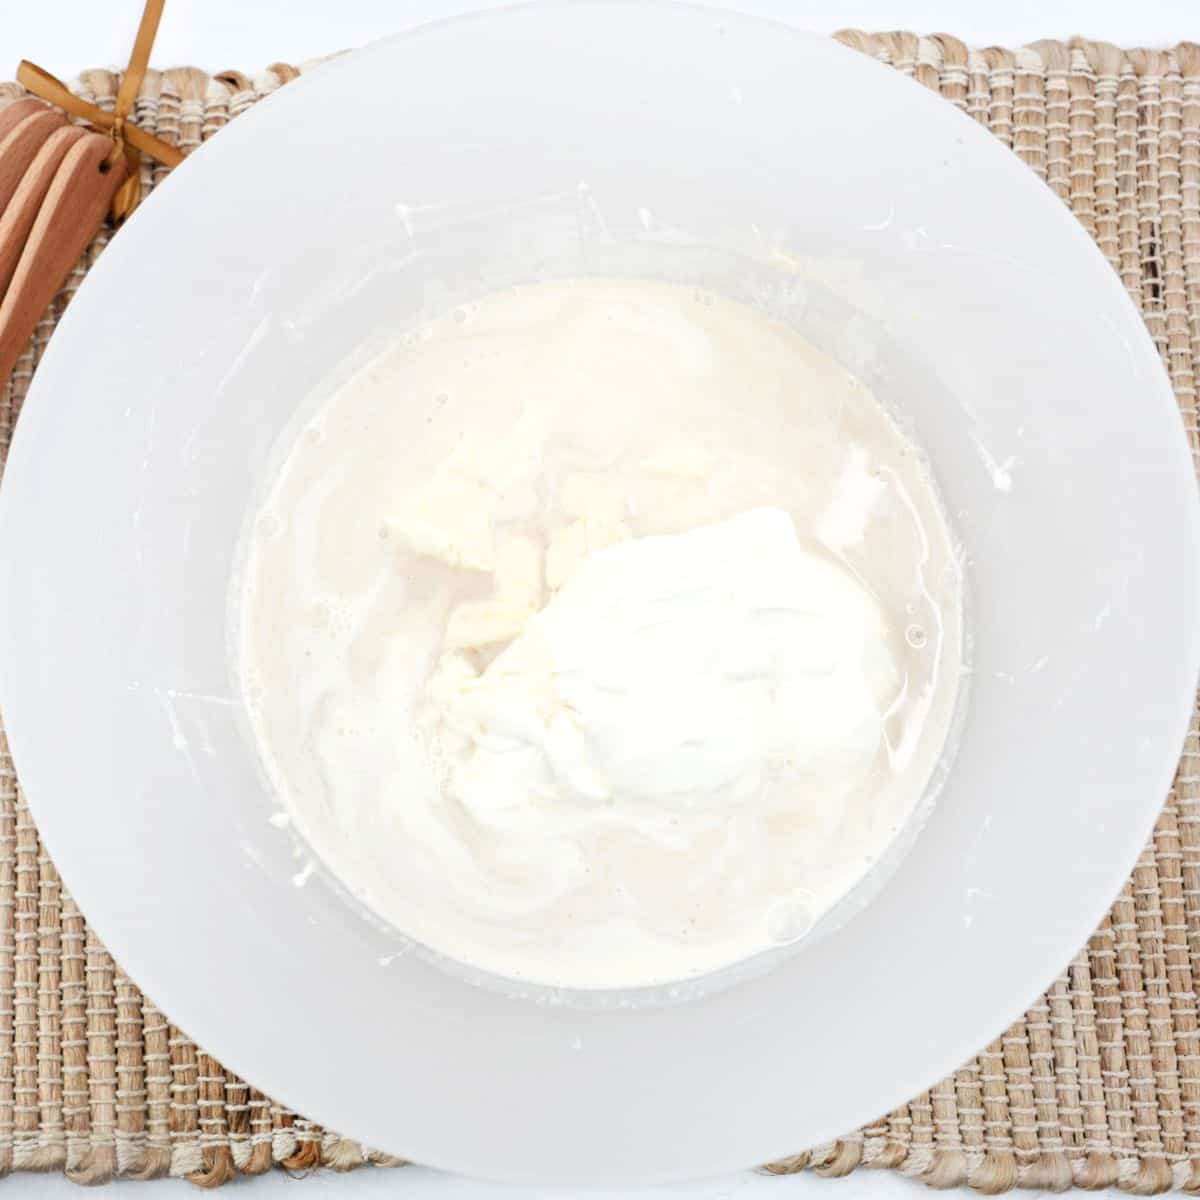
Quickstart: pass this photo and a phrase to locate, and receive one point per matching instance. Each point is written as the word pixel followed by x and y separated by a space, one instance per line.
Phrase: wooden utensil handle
pixel 17 219
pixel 11 115
pixel 74 205
pixel 19 148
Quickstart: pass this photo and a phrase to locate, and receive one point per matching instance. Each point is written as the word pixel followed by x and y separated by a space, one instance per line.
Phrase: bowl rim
pixel 22 473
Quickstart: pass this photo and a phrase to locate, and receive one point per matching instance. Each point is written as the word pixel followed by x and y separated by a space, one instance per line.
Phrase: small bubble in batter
pixel 789 921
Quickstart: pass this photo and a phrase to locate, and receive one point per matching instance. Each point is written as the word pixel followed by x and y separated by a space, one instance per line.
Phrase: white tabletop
pixel 69 35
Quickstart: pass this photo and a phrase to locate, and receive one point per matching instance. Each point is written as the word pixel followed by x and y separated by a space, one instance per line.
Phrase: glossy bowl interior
pixel 615 139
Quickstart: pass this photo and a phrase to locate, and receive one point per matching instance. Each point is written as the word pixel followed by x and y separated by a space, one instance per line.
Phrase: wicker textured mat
pixel 1098 1084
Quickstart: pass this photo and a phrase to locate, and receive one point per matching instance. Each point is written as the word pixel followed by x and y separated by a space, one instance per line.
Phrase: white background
pixel 67 35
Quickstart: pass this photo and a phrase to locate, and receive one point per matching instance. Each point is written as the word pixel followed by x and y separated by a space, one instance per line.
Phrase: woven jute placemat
pixel 1098 1084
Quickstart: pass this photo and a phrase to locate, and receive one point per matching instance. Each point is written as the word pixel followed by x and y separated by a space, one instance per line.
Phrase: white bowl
pixel 896 233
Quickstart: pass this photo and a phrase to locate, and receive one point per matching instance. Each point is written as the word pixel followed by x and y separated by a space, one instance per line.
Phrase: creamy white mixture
pixel 600 634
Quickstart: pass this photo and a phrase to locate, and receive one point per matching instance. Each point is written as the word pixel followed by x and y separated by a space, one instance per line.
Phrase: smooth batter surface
pixel 600 634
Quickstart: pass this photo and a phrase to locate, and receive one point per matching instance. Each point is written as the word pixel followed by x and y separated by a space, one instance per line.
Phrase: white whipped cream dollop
pixel 673 672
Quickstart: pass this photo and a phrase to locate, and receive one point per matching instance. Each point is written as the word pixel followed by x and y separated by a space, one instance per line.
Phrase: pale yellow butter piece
pixel 604 530
pixel 452 518
pixel 569 544
pixel 595 513
pixel 518 593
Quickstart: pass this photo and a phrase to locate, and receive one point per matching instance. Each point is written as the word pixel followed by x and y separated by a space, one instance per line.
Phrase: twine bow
pixel 128 139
